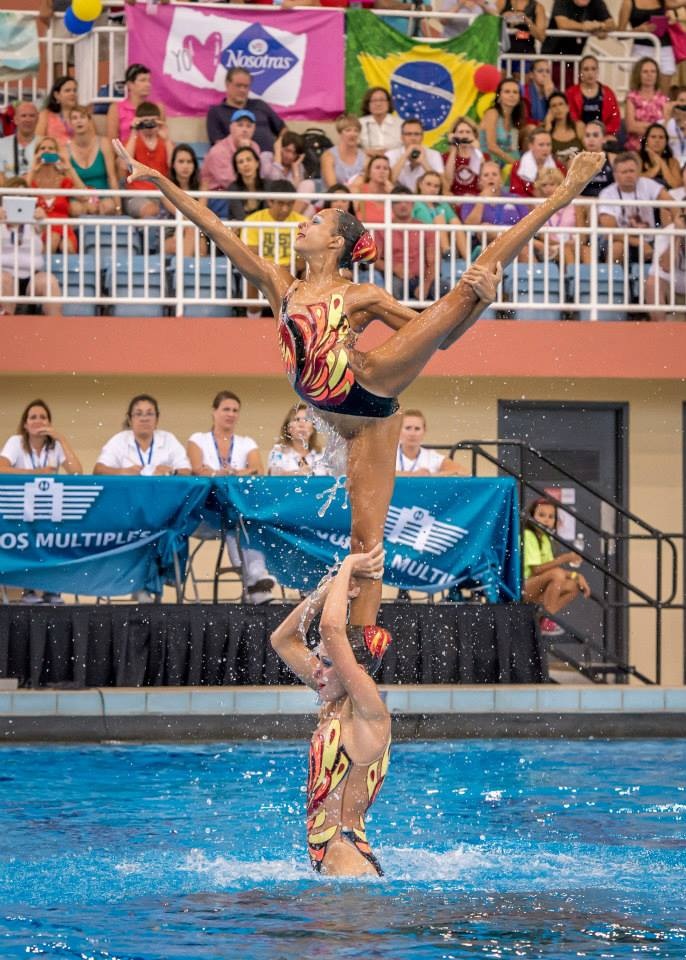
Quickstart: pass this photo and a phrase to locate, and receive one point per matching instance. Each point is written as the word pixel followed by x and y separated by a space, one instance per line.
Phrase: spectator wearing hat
pixel 218 170
pixel 267 123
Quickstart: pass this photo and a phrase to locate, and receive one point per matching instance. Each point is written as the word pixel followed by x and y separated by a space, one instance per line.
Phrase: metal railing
pixel 165 266
pixel 619 531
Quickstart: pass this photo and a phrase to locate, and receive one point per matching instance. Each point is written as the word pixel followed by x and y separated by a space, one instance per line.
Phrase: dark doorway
pixel 589 440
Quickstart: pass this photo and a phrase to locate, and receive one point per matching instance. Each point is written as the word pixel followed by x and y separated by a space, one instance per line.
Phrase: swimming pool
pixel 497 849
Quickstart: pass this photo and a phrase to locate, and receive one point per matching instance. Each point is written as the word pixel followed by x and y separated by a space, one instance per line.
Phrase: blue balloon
pixel 76 26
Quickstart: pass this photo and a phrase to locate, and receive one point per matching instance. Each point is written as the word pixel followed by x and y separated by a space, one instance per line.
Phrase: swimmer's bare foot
pixel 582 169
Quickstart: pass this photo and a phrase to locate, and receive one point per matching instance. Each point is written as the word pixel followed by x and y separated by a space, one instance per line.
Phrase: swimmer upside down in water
pixel 320 316
pixel 350 748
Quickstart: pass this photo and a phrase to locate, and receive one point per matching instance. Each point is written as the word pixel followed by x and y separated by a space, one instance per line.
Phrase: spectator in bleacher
pixel 92 157
pixel 340 201
pixel 54 119
pixel 558 245
pixel 273 243
pixel 645 102
pixel 676 127
pixel 413 159
pixel 141 449
pixel 668 270
pixel 537 158
pixel 298 451
pixel 463 160
pixel 445 29
pixel 413 262
pixel 287 164
pixel 346 159
pixel 248 180
pixel 525 23
pixel 221 452
pixel 585 18
pixel 414 460
pixel 237 97
pixel 502 124
pixel 22 264
pixel 657 161
pixel 432 211
pixel 651 20
pixel 565 133
pixel 121 113
pixel 546 582
pixel 679 193
pixel 184 171
pixel 481 212
pixel 616 212
pixel 218 171
pixel 594 138
pixel 52 169
pixel 381 127
pixel 38 448
pixel 16 150
pixel 591 100
pixel 537 89
pixel 148 143
pixel 376 179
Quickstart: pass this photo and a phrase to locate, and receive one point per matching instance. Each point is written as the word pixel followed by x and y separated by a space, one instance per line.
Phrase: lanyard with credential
pixel 222 462
pixel 39 465
pixel 150 450
pixel 414 462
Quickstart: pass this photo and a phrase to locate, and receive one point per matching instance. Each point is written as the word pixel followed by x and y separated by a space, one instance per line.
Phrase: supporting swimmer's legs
pixel 371 476
pixel 394 365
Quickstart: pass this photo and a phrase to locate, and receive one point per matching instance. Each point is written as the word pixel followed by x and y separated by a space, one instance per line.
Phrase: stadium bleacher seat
pixel 77 278
pixel 539 283
pixel 610 289
pixel 139 277
pixel 197 284
pixel 122 237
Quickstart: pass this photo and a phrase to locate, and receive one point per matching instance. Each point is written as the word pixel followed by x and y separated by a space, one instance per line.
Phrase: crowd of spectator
pixel 521 145
pixel 143 449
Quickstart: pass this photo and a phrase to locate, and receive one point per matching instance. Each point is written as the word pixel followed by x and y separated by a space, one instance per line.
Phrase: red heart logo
pixel 204 56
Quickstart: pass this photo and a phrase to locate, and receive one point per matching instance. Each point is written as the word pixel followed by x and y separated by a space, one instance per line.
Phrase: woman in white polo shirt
pixel 221 452
pixel 414 460
pixel 141 449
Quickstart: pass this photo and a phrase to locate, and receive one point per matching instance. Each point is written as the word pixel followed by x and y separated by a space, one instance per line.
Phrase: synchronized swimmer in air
pixel 318 319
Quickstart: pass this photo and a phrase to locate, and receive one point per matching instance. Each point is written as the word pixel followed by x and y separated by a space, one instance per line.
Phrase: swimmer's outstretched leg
pixel 394 365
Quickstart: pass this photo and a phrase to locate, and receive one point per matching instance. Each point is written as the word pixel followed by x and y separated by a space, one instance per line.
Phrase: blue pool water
pixel 492 849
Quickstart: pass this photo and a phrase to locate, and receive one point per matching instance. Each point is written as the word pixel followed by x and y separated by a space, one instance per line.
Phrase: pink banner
pixel 296 59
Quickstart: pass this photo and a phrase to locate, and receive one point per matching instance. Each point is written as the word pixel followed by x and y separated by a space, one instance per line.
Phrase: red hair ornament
pixel 365 250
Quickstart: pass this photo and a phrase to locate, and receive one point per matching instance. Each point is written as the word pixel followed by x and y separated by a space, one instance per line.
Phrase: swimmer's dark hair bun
pixel 365 250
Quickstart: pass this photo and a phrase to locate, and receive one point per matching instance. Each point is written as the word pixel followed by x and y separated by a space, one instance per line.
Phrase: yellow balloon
pixel 87 9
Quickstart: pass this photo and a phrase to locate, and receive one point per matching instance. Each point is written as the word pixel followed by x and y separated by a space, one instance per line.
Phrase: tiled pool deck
pixel 180 713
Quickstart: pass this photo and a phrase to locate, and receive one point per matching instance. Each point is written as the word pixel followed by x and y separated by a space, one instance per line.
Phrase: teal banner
pixel 440 532
pixel 99 536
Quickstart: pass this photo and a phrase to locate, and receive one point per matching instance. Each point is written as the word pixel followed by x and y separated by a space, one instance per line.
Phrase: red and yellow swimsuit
pixel 330 767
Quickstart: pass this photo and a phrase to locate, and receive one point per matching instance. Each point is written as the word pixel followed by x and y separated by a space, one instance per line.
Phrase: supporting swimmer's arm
pixel 359 686
pixel 288 640
pixel 370 302
pixel 268 277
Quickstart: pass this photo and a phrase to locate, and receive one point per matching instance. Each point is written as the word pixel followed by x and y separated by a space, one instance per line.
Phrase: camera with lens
pixel 679 106
pixel 415 154
pixel 147 124
pixel 460 141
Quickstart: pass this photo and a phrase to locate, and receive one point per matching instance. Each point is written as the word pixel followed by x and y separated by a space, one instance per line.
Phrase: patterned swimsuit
pixel 331 767
pixel 313 347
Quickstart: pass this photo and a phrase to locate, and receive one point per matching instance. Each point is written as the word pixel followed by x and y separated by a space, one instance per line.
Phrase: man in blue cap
pixel 217 171
pixel 267 123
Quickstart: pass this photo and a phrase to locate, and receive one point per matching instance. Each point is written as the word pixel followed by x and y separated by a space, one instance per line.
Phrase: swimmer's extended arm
pixel 269 279
pixel 359 686
pixel 288 640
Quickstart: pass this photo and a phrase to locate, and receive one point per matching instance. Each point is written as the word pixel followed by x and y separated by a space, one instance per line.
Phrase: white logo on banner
pixel 417 528
pixel 46 499
pixel 202 47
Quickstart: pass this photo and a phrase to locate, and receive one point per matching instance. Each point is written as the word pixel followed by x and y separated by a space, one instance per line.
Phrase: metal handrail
pixel 662 540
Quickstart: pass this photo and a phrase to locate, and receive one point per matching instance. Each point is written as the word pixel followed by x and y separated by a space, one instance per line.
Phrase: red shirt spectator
pixel 591 100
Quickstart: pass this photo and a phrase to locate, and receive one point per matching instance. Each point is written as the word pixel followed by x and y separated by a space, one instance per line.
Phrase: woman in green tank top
pixel 93 160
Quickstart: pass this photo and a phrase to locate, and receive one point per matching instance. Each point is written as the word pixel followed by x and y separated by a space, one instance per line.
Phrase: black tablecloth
pixel 169 645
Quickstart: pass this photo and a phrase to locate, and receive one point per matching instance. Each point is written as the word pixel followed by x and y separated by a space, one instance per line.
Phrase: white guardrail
pixel 124 266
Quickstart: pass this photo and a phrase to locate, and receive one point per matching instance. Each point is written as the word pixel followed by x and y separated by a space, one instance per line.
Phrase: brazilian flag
pixel 433 82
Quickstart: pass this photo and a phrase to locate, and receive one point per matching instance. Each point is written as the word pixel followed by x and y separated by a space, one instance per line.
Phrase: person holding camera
pixel 52 169
pixel 413 159
pixel 463 160
pixel 150 144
